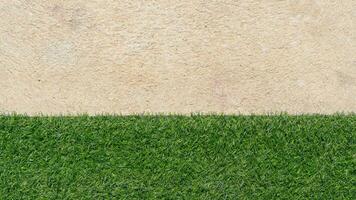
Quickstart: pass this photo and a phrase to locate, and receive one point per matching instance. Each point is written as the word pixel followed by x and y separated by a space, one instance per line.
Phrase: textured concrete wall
pixel 125 56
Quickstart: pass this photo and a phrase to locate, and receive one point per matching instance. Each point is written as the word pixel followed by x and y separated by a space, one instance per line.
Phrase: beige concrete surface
pixel 182 56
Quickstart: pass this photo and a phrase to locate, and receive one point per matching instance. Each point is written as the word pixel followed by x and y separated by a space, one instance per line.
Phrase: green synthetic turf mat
pixel 177 157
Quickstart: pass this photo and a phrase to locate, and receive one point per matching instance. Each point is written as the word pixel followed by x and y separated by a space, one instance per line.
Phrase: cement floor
pixel 132 56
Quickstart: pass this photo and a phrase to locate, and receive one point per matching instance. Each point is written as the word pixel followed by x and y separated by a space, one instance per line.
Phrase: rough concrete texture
pixel 182 56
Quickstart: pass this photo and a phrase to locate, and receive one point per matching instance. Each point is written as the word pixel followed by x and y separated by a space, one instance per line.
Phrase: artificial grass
pixel 177 157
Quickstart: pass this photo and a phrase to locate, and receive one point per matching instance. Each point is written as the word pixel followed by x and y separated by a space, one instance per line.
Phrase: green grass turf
pixel 176 157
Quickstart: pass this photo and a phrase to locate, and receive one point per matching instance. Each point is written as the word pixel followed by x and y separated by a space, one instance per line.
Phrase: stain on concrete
pixel 60 54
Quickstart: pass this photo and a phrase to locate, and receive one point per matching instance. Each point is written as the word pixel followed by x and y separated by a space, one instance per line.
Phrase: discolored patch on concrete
pixel 134 56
